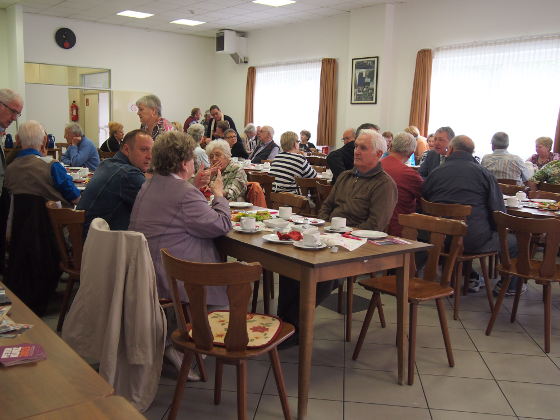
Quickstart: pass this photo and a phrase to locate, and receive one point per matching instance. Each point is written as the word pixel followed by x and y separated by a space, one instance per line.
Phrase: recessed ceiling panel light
pixel 132 13
pixel 188 22
pixel 274 3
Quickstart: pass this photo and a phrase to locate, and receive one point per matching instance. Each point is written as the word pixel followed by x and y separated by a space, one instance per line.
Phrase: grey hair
pixel 221 144
pixel 150 101
pixel 545 141
pixel 75 128
pixel 269 129
pixel 8 95
pixel 462 143
pixel 31 134
pixel 500 140
pixel 404 143
pixel 196 131
pixel 250 128
pixel 448 130
pixel 207 112
pixel 377 140
pixel 365 126
pixel 353 132
pixel 229 130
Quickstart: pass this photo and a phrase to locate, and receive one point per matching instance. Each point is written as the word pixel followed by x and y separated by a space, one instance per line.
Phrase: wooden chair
pixel 105 155
pixel 555 188
pixel 267 160
pixel 544 195
pixel 460 212
pixel 237 276
pixel 298 203
pixel 507 181
pixel 420 290
pixel 323 191
pixel 318 154
pixel 544 272
pixel 511 189
pixel 61 145
pixel 266 184
pixel 71 257
pixel 307 187
pixel 317 161
pixel 319 169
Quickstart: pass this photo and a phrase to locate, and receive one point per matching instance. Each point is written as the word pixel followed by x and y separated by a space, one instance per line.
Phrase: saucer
pixel 239 229
pixel 343 230
pixel 300 244
pixel 369 234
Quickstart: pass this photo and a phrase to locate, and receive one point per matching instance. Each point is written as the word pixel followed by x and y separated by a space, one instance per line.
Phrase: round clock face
pixel 65 38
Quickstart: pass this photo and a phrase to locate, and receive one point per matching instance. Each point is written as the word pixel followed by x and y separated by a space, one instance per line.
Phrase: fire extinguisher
pixel 74 111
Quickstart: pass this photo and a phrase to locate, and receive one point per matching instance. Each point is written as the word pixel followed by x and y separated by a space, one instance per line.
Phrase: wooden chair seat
pixel 534 271
pixel 419 290
pixel 466 257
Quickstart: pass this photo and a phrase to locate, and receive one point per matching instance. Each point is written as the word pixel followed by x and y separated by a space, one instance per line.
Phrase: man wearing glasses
pixel 267 149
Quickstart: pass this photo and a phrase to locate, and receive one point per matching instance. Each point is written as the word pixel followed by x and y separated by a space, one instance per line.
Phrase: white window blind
pixel 511 86
pixel 287 97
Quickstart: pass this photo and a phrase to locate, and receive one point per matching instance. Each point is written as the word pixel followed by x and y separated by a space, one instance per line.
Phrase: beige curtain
pixel 420 103
pixel 327 104
pixel 250 95
pixel 557 138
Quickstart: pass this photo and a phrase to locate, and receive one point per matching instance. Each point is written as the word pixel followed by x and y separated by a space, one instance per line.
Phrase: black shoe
pixel 291 341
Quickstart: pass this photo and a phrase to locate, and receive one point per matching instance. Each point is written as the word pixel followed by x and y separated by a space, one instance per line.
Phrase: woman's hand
pixel 202 177
pixel 217 186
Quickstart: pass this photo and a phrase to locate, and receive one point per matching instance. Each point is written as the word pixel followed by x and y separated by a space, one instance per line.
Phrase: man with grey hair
pixel 409 183
pixel 81 150
pixel 502 164
pixel 33 173
pixel 197 132
pixel 349 135
pixel 249 137
pixel 267 149
pixel 11 106
pixel 438 155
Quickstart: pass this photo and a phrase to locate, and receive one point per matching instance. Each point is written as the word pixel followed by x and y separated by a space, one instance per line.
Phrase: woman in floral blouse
pixel 149 111
pixel 233 175
pixel 544 153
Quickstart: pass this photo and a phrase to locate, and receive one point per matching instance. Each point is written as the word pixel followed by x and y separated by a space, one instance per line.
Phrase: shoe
pixel 476 285
pixel 291 341
pixel 509 292
pixel 176 360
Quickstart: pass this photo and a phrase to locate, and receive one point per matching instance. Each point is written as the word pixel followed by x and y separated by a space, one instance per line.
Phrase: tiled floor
pixel 506 375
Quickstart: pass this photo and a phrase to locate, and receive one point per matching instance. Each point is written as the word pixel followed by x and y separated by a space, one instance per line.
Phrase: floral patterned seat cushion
pixel 261 329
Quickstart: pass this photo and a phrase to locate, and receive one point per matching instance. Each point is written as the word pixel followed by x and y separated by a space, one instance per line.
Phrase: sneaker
pixel 474 286
pixel 176 359
pixel 509 292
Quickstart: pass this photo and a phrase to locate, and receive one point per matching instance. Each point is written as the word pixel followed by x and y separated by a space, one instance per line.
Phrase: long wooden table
pixel 109 408
pixel 311 267
pixel 62 380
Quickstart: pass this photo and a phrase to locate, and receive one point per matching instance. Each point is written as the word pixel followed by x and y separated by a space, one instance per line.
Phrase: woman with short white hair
pixel 149 111
pixel 233 175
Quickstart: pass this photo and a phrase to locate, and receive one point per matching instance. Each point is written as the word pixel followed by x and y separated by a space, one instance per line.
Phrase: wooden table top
pixel 63 379
pixel 531 212
pixel 108 408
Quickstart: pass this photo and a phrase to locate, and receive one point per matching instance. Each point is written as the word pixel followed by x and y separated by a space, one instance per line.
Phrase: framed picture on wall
pixel 364 80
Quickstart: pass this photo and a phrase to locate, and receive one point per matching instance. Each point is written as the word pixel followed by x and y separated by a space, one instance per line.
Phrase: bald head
pixel 462 143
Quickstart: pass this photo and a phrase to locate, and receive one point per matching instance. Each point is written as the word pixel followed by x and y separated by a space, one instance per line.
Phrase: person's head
pixel 412 130
pixel 216 113
pixel 500 140
pixel 31 135
pixel 461 143
pixel 173 153
pixel 388 136
pixel 403 145
pixel 369 148
pixel 11 106
pixel 207 115
pixel 543 146
pixel 259 129
pixel 196 131
pixel 149 109
pixel 177 126
pixel 137 147
pixel 267 134
pixel 250 130
pixel 304 135
pixel 73 130
pixel 196 113
pixel 367 126
pixel 442 138
pixel 349 135
pixel 221 127
pixel 219 152
pixel 431 141
pixel 289 141
pixel 230 136
pixel 116 130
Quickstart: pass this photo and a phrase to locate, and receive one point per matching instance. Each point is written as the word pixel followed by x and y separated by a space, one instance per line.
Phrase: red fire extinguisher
pixel 74 111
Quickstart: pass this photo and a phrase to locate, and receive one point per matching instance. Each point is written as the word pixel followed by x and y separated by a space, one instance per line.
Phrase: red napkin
pixel 295 235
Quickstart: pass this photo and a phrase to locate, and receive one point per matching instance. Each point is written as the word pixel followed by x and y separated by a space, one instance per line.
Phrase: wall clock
pixel 65 38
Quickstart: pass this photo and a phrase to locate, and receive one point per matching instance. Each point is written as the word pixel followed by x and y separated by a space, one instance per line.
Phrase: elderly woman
pixel 421 144
pixel 233 175
pixel 249 137
pixel 289 163
pixel 116 136
pixel 305 145
pixel 544 153
pixel 197 132
pixel 149 111
pixel 235 143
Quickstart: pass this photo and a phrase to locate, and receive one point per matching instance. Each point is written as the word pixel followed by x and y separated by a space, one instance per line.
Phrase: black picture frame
pixel 364 80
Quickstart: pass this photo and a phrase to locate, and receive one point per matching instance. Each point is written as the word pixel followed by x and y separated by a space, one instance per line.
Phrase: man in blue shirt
pixel 81 150
pixel 32 172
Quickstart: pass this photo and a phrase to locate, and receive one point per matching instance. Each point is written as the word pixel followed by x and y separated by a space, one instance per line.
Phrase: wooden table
pixel 311 267
pixel 109 408
pixel 62 380
pixel 531 212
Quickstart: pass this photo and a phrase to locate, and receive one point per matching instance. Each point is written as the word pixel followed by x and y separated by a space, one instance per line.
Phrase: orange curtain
pixel 327 103
pixel 420 103
pixel 250 95
pixel 557 138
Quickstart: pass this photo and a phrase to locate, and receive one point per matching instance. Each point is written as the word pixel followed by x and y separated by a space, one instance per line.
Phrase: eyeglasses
pixel 13 111
pixel 346 138
pixel 231 137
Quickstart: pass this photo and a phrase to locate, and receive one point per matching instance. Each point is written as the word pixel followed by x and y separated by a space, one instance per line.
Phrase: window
pixel 511 86
pixel 287 97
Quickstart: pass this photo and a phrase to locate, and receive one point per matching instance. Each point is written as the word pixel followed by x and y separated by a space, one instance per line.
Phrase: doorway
pixel 93 113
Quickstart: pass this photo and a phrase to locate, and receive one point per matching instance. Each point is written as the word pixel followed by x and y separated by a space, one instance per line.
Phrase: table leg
pixel 402 314
pixel 308 288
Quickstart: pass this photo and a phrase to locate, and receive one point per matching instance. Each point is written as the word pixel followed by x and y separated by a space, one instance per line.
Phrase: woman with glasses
pixel 233 175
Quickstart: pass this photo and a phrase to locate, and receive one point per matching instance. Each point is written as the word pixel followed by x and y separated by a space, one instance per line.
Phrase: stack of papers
pixel 22 353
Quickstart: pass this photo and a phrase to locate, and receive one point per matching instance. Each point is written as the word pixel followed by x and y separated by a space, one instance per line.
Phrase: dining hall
pixel 353 205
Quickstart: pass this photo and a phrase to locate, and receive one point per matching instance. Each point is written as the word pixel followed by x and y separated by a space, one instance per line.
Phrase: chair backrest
pixel 524 228
pixel 266 184
pixel 438 229
pixel 308 187
pixel 297 202
pixel 507 181
pixel 319 169
pixel 267 160
pixel 544 195
pixel 318 154
pixel 511 189
pixel 71 258
pixel 323 191
pixel 237 276
pixel 105 155
pixel 555 188
pixel 453 211
pixel 317 161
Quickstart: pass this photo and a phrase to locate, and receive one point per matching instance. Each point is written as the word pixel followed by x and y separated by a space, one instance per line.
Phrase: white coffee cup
pixel 234 159
pixel 311 238
pixel 83 172
pixel 248 223
pixel 258 167
pixel 285 212
pixel 247 163
pixel 521 196
pixel 512 201
pixel 338 223
pixel 74 175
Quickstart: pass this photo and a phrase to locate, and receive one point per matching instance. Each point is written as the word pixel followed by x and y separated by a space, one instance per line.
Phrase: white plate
pixel 300 244
pixel 74 168
pixel 238 229
pixel 274 238
pixel 309 220
pixel 239 205
pixel 542 200
pixel 369 234
pixel 343 230
pixel 514 207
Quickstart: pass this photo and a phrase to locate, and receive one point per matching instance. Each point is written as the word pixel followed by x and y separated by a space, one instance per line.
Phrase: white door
pixel 91 117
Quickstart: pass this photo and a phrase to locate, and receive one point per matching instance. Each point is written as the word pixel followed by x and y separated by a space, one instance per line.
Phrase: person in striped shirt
pixel 289 163
pixel 502 164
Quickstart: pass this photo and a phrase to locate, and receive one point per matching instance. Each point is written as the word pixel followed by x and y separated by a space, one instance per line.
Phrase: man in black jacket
pixel 217 116
pixel 438 155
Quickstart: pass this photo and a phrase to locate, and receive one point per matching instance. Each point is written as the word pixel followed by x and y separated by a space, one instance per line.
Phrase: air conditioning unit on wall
pixel 229 42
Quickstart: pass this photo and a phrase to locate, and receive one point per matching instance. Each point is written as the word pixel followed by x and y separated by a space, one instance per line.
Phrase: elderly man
pixel 502 164
pixel 197 131
pixel 10 109
pixel 81 150
pixel 112 190
pixel 409 183
pixel 438 155
pixel 195 117
pixel 366 197
pixel 460 179
pixel 267 148
pixel 249 137
pixel 33 173
pixel 349 135
pixel 342 159
pixel 217 116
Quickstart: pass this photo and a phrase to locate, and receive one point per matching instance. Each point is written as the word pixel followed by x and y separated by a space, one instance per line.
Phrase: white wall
pixel 4 74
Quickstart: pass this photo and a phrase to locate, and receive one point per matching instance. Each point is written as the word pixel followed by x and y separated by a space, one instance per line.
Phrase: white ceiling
pixel 238 15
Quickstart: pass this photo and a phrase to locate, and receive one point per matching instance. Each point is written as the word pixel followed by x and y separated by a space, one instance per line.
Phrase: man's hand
pixel 202 177
pixel 76 140
pixel 217 186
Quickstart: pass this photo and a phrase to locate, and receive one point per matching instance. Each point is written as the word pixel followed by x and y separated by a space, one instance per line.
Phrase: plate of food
pixel 239 204
pixel 258 215
pixel 554 206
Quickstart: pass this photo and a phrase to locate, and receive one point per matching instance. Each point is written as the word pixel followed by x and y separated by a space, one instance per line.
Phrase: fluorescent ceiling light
pixel 188 22
pixel 274 3
pixel 131 13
